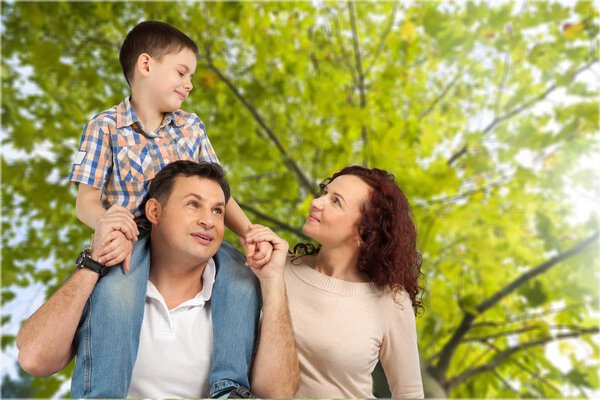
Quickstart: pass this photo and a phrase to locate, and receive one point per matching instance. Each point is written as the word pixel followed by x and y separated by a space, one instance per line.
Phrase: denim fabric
pixel 236 304
pixel 107 338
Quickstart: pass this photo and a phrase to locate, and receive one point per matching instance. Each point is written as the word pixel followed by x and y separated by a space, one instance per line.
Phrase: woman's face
pixel 335 214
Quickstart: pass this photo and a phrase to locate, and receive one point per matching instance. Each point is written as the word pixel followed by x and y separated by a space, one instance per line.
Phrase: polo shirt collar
pixel 208 280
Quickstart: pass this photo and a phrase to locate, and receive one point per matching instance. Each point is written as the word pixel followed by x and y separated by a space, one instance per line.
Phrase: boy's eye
pixel 180 74
pixel 336 201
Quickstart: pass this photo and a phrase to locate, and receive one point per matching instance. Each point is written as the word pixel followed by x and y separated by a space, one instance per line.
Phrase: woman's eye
pixel 218 211
pixel 193 204
pixel 336 201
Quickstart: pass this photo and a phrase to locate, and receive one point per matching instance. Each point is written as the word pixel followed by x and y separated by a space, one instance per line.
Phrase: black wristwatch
pixel 85 261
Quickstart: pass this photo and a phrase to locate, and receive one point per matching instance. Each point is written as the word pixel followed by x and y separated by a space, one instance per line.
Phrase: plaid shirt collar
pixel 126 116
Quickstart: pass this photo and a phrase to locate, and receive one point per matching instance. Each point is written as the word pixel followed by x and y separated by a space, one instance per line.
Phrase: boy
pixel 124 147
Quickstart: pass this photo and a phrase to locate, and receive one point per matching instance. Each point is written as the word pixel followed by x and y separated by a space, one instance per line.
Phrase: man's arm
pixel 45 341
pixel 275 372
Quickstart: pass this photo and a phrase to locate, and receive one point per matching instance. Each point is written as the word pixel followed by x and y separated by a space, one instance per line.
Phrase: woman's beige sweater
pixel 343 328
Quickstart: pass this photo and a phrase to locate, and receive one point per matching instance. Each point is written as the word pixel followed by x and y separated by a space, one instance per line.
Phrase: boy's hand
pixel 272 268
pixel 128 225
pixel 116 248
pixel 257 254
pixel 110 246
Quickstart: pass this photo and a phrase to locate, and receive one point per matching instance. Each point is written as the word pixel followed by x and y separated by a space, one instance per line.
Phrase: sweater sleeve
pixel 399 353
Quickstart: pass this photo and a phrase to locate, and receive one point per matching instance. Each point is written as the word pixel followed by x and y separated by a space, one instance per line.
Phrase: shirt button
pixel 166 161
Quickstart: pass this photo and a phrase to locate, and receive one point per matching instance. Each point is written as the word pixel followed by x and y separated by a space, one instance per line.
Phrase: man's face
pixel 191 223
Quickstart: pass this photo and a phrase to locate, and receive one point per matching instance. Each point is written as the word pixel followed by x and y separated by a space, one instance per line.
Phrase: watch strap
pixel 85 261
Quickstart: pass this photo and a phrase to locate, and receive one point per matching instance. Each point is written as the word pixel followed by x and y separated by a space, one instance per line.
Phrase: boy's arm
pixel 45 341
pixel 89 209
pixel 275 372
pixel 88 205
pixel 235 219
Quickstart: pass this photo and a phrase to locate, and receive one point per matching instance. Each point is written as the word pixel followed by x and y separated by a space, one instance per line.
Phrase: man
pixel 185 207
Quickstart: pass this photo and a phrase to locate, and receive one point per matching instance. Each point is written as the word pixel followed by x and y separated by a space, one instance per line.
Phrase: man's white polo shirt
pixel 176 346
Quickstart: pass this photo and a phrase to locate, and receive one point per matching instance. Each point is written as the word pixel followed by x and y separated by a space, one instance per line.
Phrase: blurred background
pixel 485 112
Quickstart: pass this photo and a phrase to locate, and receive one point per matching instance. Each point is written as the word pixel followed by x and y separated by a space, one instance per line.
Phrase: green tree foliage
pixel 482 111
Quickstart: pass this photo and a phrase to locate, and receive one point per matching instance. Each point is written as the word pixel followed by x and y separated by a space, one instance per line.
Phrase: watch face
pixel 80 259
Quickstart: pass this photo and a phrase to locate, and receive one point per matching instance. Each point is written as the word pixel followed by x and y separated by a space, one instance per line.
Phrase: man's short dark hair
pixel 162 184
pixel 155 38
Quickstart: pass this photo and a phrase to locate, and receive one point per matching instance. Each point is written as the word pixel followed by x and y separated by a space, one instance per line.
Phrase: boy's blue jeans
pixel 107 338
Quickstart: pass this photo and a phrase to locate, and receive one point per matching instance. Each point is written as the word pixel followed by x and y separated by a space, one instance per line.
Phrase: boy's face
pixel 170 79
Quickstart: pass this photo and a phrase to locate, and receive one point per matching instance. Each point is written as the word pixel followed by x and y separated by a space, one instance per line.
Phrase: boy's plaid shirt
pixel 118 157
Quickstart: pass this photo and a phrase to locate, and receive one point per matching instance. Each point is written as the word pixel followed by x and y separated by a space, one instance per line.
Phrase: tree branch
pixel 383 37
pixel 440 96
pixel 361 81
pixel 527 276
pixel 459 196
pixel 345 55
pixel 502 84
pixel 528 317
pixel 503 355
pixel 505 383
pixel 279 224
pixel 287 159
pixel 484 339
pixel 501 334
pixel 537 375
pixel 519 109
pixel 440 369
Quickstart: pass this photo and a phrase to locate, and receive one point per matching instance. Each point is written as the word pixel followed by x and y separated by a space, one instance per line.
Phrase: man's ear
pixel 153 210
pixel 143 64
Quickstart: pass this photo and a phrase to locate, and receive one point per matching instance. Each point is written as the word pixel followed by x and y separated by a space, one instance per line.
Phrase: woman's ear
pixel 153 210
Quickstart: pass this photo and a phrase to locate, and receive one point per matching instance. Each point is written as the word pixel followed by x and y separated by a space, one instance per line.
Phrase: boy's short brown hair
pixel 155 38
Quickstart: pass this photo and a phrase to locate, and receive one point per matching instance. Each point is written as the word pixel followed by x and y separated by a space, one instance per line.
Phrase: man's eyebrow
pixel 200 198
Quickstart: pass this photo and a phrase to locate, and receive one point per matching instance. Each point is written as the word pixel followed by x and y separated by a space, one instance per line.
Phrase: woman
pixel 353 300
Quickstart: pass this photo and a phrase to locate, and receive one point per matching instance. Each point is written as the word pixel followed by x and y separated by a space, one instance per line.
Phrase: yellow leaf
pixel 572 30
pixel 408 31
pixel 207 79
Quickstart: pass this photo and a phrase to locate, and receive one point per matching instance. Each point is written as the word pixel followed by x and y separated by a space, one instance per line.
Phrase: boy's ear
pixel 143 64
pixel 153 210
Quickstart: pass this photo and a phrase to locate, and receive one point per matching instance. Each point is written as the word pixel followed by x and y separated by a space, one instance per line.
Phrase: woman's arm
pixel 399 353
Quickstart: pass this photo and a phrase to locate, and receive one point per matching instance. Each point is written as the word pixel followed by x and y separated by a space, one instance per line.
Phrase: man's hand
pixel 111 245
pixel 273 268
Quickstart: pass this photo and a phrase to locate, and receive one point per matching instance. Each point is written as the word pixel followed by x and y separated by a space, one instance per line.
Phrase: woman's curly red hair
pixel 389 252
